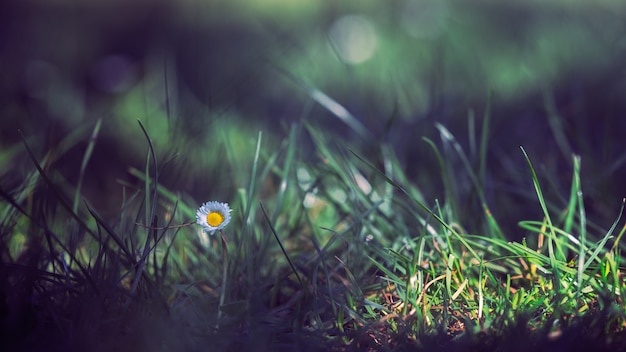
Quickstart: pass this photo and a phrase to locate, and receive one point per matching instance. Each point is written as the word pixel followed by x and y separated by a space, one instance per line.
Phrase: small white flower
pixel 213 216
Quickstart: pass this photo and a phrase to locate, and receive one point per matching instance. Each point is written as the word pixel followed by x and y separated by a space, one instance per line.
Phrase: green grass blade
pixel 600 246
pixel 450 187
pixel 577 189
pixel 421 205
pixel 83 165
pixel 556 125
pixel 572 203
pixel 251 185
pixel 287 170
pixel 447 136
pixel 280 243
pixel 171 197
pixel 150 204
pixel 118 240
pixel 57 193
pixel 484 141
pixel 330 104
pixel 552 238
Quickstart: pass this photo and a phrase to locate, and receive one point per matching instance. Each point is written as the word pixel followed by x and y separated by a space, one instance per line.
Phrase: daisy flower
pixel 213 216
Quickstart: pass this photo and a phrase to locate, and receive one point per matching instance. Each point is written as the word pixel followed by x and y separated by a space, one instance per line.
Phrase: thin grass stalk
pixel 484 142
pixel 247 239
pixel 552 238
pixel 322 259
pixel 556 124
pixel 583 226
pixel 600 245
pixel 85 161
pixel 449 186
pixel 479 187
pixel 58 195
pixel 282 248
pixel 151 213
pixel 285 176
pixel 421 205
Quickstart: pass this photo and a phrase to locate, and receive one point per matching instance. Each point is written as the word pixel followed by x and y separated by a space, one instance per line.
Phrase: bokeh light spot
pixel 354 39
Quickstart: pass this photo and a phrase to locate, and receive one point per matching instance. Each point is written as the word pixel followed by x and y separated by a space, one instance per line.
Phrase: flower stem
pixel 224 276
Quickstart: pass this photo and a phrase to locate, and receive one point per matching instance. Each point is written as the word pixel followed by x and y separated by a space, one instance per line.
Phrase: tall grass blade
pixel 280 243
pixel 421 205
pixel 600 246
pixel 448 137
pixel 118 240
pixel 164 192
pixel 251 185
pixel 150 204
pixel 83 165
pixel 552 239
pixel 331 105
pixel 583 224
pixel 556 125
pixel 572 203
pixel 449 185
pixel 287 169
pixel 51 237
pixel 57 193
pixel 484 141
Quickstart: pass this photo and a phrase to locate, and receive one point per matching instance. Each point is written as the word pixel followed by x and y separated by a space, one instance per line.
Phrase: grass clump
pixel 326 252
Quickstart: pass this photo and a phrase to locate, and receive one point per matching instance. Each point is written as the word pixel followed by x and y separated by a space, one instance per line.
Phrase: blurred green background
pixel 206 76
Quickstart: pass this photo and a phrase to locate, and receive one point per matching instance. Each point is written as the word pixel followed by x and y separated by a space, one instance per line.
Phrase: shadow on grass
pixel 40 312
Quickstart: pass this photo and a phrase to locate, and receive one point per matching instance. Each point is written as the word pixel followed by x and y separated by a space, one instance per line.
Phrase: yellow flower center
pixel 214 218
